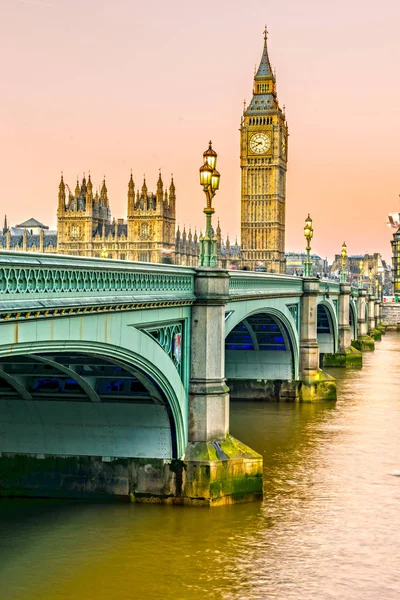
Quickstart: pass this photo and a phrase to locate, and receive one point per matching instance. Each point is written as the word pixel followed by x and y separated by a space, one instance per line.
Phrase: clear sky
pixel 107 86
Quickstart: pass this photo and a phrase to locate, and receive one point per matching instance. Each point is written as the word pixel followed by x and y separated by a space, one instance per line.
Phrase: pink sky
pixel 107 86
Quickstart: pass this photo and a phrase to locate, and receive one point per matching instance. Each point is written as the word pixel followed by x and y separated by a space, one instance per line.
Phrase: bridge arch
pixel 272 338
pixel 353 319
pixel 149 405
pixel 327 328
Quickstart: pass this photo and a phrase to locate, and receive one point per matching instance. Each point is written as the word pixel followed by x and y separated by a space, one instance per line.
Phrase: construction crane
pixel 394 219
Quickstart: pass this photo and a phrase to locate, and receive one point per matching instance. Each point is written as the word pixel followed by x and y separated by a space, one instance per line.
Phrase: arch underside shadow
pixel 259 348
pixel 353 320
pixel 327 339
pixel 82 403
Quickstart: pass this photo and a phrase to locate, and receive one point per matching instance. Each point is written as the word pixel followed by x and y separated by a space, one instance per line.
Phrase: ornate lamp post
pixel 209 179
pixel 104 253
pixel 360 281
pixel 344 256
pixel 308 233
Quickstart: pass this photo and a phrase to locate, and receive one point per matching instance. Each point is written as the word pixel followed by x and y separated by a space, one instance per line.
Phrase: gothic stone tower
pixel 151 222
pixel 263 161
pixel 79 216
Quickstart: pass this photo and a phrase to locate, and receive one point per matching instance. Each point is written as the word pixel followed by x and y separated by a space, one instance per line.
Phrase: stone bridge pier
pixel 315 384
pixel 365 342
pixel 347 355
pixel 218 468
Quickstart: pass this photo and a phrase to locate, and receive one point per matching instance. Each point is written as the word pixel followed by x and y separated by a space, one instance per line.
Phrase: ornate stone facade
pixel 263 160
pixel 85 228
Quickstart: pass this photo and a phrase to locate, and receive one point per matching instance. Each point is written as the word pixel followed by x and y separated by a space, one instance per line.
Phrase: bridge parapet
pixel 246 284
pixel 327 286
pixel 35 282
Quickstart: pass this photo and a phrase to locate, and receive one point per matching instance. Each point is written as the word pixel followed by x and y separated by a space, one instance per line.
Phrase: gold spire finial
pixel 265 33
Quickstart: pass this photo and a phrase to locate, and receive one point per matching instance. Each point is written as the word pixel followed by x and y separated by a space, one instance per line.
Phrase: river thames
pixel 329 525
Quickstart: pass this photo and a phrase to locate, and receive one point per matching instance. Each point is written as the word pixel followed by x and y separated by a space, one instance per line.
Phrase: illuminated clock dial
pixel 260 143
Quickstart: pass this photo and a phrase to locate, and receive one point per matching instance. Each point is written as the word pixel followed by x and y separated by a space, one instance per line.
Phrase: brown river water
pixel 329 525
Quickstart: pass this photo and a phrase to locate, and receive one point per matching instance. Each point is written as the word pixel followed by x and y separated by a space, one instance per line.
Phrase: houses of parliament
pixel 85 226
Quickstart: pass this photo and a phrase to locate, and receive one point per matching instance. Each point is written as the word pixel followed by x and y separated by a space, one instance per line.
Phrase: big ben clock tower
pixel 263 161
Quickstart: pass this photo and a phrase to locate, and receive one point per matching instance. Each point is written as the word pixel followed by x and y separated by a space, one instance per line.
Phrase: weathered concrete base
pixel 211 474
pixel 264 390
pixel 284 391
pixel 220 473
pixel 376 334
pixel 322 387
pixel 364 343
pixel 381 328
pixel 391 313
pixel 350 358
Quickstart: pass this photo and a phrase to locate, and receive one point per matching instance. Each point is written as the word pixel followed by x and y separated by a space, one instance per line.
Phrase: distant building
pixel 295 263
pixel 373 264
pixel 85 228
pixel 29 236
pixel 394 221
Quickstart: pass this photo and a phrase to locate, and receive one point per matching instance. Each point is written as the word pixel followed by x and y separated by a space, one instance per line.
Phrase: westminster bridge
pixel 115 376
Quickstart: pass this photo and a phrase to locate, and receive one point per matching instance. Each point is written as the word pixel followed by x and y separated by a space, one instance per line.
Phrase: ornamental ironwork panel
pixel 41 280
pixel 170 338
pixel 294 311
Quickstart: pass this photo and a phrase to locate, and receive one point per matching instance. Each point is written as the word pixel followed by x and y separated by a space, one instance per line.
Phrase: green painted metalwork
pixel 244 283
pixel 294 311
pixel 38 275
pixel 170 338
pixel 274 306
pixel 116 337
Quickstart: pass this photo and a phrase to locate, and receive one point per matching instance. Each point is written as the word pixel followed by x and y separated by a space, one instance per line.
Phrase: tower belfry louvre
pixel 263 162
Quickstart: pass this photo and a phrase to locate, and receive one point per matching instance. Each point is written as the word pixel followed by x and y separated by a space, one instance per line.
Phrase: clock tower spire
pixel 263 161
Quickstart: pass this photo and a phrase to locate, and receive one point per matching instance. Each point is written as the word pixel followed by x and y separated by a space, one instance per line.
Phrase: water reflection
pixel 328 527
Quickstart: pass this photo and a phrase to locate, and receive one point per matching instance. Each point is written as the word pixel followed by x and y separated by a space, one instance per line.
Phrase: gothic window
pixel 76 230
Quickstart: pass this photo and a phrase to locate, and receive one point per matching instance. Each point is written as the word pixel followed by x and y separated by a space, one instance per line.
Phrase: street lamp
pixel 104 253
pixel 371 288
pixel 308 233
pixel 344 256
pixel 209 180
pixel 360 282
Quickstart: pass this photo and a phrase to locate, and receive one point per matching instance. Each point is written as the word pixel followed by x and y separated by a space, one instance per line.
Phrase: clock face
pixel 260 143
